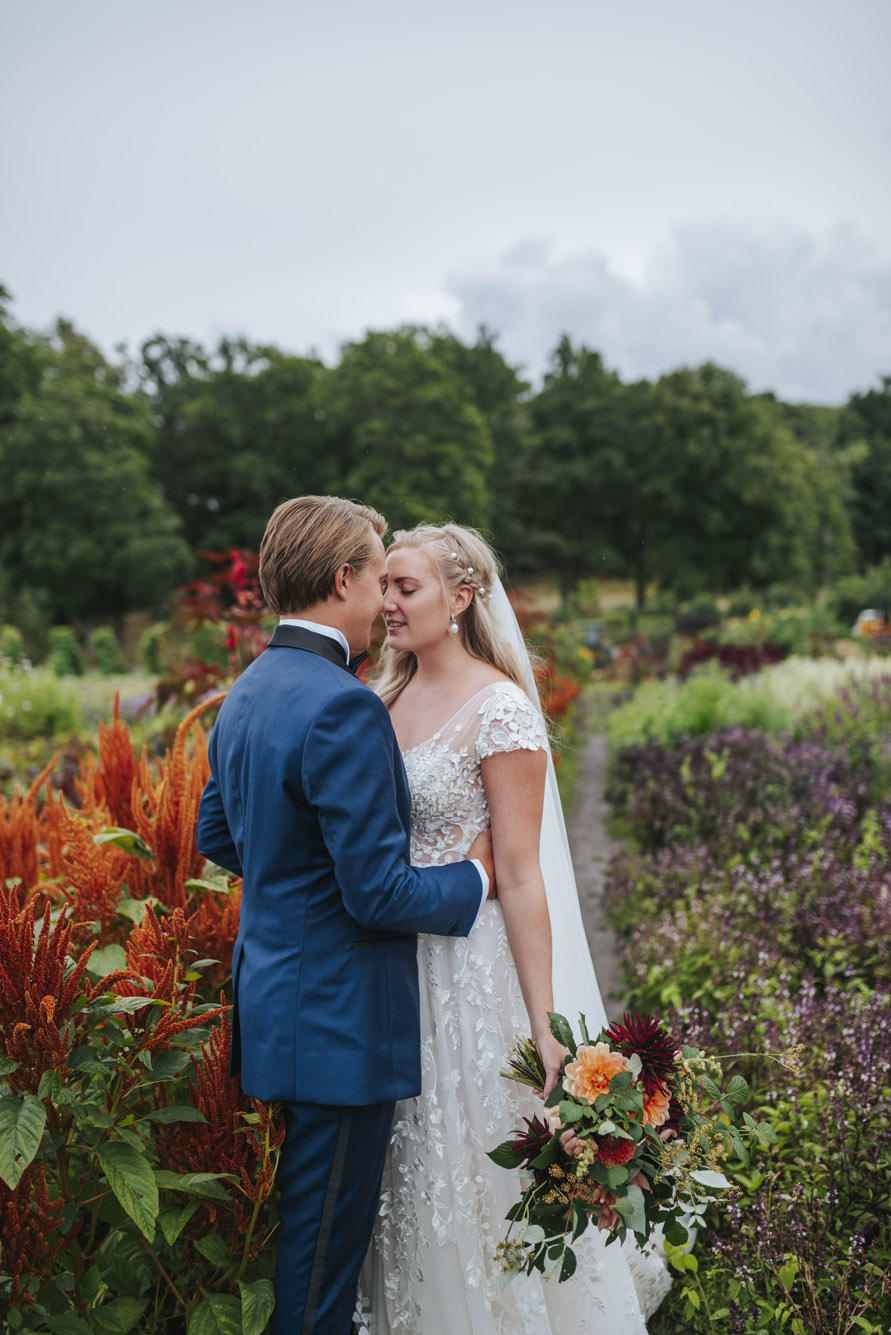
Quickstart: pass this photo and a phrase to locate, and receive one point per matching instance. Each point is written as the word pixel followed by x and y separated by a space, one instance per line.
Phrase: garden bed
pixel 754 897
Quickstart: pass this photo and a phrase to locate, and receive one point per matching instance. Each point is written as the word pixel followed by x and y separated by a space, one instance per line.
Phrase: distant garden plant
pixel 107 652
pixel 65 658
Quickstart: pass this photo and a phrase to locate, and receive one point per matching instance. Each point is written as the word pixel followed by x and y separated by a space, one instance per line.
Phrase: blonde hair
pixel 460 556
pixel 306 542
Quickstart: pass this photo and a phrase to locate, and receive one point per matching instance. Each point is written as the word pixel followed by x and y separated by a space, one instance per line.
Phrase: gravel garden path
pixel 591 848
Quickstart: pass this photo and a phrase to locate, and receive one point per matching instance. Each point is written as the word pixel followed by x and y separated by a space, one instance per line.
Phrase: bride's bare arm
pixel 515 783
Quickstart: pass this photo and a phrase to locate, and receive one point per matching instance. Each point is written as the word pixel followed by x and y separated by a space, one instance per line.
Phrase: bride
pixel 462 699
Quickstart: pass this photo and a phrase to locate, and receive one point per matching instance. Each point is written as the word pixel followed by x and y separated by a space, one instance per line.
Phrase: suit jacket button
pixel 453 930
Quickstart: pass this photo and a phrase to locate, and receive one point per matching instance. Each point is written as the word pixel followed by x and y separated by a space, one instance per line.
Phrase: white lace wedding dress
pixel 431 1268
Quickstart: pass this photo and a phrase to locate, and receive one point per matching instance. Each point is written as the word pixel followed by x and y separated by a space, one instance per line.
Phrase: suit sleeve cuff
pixel 485 883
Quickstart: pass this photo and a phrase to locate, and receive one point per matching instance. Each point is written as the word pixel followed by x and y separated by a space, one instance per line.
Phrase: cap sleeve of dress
pixel 509 721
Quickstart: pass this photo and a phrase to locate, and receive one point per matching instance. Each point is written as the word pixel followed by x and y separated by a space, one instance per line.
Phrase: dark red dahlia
pixel 614 1151
pixel 654 1045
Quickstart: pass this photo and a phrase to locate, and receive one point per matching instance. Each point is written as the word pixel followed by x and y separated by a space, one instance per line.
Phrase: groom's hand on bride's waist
pixel 481 849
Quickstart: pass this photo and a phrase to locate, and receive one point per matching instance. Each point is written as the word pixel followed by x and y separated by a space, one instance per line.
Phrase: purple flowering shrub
pixel 737 785
pixel 757 906
pixel 857 722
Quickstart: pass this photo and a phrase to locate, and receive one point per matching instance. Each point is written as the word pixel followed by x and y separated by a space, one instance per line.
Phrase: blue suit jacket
pixel 309 802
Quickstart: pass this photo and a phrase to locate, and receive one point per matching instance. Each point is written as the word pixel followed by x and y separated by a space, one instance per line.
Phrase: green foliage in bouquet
pixel 653 1127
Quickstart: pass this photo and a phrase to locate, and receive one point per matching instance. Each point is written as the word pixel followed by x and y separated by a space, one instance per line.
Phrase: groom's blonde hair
pixel 307 540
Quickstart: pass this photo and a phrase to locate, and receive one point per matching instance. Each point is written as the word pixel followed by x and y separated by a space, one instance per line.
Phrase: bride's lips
pixel 395 625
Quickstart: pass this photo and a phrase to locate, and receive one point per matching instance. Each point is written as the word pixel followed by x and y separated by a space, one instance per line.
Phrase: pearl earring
pixel 453 626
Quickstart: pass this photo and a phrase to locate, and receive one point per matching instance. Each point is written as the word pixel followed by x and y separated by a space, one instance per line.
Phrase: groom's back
pixel 299 984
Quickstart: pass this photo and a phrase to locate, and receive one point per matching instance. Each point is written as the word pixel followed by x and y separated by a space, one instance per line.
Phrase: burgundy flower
pixel 643 1035
pixel 529 1144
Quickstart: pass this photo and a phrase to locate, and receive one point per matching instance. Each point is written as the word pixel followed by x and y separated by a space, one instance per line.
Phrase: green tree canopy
pixel 406 432
pixel 81 520
pixel 591 491
pixel 238 432
pixel 865 432
pixel 744 505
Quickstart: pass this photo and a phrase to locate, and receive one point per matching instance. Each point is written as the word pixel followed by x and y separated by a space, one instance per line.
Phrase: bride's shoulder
pixel 508 720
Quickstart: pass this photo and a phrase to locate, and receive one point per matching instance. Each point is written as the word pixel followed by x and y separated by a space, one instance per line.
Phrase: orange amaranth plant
pixel 106 783
pixel 161 952
pixel 20 833
pixel 91 876
pixel 165 814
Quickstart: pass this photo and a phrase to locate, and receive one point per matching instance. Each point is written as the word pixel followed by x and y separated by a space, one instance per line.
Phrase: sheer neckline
pixel 434 737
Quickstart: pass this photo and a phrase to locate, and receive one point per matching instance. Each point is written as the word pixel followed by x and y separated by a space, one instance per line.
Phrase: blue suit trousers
pixel 329 1176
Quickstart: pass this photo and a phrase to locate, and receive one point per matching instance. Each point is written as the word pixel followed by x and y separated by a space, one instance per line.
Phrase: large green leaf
pixel 67 1323
pixel 635 1218
pixel 214 1249
pixel 173 1220
pixel 22 1120
pixel 176 1112
pixel 738 1090
pixel 217 1314
pixel 503 1155
pixel 119 1006
pixel 197 1184
pixel 120 1315
pixel 106 960
pixel 128 840
pixel 707 1178
pixel 167 1065
pixel 131 1179
pixel 562 1031
pixel 567 1269
pixel 257 1305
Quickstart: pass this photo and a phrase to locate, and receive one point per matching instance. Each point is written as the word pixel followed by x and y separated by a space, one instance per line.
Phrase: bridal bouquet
pixel 652 1125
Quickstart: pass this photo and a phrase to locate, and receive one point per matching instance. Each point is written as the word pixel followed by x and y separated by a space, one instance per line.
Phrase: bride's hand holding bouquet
pixel 651 1130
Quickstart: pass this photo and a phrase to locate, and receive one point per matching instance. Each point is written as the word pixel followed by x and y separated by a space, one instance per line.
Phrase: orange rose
pixel 589 1075
pixel 656 1108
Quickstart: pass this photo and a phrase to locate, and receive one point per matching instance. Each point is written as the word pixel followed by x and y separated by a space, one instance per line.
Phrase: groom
pixel 309 802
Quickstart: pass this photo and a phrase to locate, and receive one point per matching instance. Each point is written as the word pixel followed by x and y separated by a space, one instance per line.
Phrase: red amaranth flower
pixel 225 1142
pixel 643 1035
pixel 162 953
pixel 614 1151
pixel 36 997
pixel 30 1230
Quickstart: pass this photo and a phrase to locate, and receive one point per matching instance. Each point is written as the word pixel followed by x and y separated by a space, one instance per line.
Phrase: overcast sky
pixel 667 182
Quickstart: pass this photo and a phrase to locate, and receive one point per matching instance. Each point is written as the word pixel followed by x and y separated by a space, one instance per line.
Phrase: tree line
pixel 117 474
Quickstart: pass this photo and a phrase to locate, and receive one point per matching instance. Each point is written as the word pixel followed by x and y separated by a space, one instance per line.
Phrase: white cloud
pixel 806 315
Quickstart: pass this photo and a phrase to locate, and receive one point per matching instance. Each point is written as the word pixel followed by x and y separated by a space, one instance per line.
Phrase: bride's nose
pixel 389 600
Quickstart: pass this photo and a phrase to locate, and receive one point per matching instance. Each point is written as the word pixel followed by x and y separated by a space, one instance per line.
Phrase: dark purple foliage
pixel 758 912
pixel 740 660
pixel 737 784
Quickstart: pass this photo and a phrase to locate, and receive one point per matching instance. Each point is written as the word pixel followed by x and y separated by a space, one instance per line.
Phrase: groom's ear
pixel 342 578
